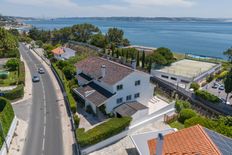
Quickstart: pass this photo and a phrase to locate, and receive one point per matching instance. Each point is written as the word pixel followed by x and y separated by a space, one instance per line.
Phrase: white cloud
pixel 51 3
pixel 159 2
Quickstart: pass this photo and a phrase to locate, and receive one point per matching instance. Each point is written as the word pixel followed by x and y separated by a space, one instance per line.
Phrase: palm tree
pixel 228 84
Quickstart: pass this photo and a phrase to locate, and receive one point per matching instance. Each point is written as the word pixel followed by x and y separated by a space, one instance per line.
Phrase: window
pixel 119 87
pixel 173 78
pixel 119 100
pixel 128 98
pixel 164 76
pixel 137 83
pixel 137 95
pixel 184 81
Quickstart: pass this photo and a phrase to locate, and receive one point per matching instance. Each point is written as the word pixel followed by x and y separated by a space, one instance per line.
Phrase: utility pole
pixel 3 136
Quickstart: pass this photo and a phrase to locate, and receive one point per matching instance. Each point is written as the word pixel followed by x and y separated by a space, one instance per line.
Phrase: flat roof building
pixel 186 71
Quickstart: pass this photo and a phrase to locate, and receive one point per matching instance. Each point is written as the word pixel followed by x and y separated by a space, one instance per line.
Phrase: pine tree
pixel 143 60
pixel 137 60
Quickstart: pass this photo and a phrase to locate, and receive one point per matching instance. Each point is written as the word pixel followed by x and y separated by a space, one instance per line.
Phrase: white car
pixel 41 70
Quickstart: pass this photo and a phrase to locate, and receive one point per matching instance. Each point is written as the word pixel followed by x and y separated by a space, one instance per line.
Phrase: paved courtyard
pixel 125 146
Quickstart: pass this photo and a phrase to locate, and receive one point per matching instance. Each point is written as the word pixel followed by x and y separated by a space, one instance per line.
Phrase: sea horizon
pixel 199 36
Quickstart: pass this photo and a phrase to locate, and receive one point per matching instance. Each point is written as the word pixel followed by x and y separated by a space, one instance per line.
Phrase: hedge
pixel 186 114
pixel 76 120
pixel 6 116
pixel 21 71
pixel 207 96
pixel 68 90
pixel 14 94
pixel 103 131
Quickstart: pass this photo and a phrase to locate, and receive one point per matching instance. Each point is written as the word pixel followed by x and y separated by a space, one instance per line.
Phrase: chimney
pixel 159 145
pixel 103 71
pixel 133 64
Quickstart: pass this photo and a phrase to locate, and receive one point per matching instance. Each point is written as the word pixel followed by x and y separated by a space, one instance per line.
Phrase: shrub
pixel 69 71
pixel 103 131
pixel 12 64
pixel 180 104
pixel 76 120
pixel 207 96
pixel 198 120
pixel 209 78
pixel 195 86
pixel 222 75
pixel 186 114
pixel 89 109
pixel 3 76
pixel 21 71
pixel 14 94
pixel 68 90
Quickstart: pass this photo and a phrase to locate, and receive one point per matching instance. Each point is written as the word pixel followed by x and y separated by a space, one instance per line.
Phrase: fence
pixel 9 136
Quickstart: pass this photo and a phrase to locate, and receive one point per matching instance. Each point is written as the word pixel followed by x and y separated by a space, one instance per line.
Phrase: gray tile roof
pixel 129 108
pixel 114 71
pixel 94 93
pixel 223 143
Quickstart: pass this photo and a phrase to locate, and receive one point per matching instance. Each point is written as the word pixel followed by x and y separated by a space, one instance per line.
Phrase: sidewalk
pixel 68 140
pixel 18 140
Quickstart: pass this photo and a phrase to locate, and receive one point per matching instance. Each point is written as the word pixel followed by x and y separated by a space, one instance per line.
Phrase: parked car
pixel 35 78
pixel 215 86
pixel 221 87
pixel 41 70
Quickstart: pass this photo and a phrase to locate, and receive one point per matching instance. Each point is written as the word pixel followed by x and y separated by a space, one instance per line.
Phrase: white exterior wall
pixel 139 114
pixel 91 104
pixel 146 90
pixel 178 78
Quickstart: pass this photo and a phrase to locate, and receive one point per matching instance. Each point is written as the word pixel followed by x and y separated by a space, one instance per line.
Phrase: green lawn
pixel 11 79
pixel 177 125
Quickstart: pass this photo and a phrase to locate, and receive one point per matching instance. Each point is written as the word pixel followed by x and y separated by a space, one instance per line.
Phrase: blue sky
pixel 106 8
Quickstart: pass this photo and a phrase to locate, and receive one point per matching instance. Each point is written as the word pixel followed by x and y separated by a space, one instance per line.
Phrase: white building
pixel 184 72
pixel 63 53
pixel 108 85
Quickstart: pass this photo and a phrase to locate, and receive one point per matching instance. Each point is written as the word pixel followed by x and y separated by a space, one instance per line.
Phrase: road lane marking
pixel 43 146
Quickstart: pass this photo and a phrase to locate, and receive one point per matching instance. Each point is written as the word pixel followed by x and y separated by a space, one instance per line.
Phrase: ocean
pixel 199 37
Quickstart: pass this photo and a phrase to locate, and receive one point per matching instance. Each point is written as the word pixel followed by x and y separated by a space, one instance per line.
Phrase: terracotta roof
pixel 58 50
pixel 129 108
pixel 193 140
pixel 114 71
pixel 94 93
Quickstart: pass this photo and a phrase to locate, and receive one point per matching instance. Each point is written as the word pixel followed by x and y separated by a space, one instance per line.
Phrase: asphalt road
pixel 44 132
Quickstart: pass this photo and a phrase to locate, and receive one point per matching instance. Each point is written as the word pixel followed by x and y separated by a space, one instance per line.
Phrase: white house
pixel 109 85
pixel 63 53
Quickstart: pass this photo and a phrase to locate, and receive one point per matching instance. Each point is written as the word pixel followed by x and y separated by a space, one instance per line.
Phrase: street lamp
pixel 3 136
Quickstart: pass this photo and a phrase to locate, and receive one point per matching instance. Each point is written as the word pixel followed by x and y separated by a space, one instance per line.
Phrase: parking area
pixel 217 88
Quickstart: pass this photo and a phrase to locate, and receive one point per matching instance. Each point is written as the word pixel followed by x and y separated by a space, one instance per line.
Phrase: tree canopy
pixel 7 40
pixel 228 53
